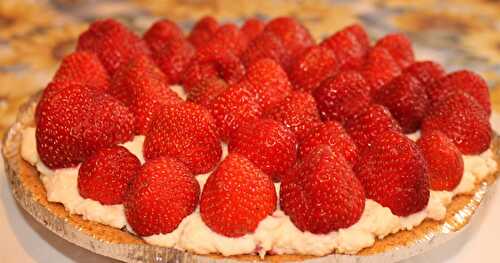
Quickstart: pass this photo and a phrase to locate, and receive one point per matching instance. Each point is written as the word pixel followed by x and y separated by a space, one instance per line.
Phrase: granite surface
pixel 36 34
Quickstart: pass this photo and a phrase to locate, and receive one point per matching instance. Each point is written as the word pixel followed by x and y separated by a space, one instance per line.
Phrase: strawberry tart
pixel 253 141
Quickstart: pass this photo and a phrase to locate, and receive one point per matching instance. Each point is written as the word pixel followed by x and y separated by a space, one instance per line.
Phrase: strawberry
pixel 394 173
pixel 463 80
pixel 460 117
pixel 268 144
pixel 233 108
pixel 173 58
pixel 267 80
pixel 105 175
pixel 298 112
pixel 228 37
pixel 341 96
pixel 266 45
pixel 160 33
pixel 76 122
pixel 83 67
pixel 445 165
pixel 160 197
pixel 321 194
pixel 406 99
pixel 187 132
pixel 399 46
pixel 380 68
pixel 196 73
pixel 113 43
pixel 252 28
pixel 236 197
pixel 142 87
pixel 205 91
pixel 294 36
pixel 361 36
pixel 333 134
pixel 203 31
pixel 427 72
pixel 367 124
pixel 348 45
pixel 311 67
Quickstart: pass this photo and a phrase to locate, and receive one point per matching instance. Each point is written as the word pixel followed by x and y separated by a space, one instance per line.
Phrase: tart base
pixel 30 193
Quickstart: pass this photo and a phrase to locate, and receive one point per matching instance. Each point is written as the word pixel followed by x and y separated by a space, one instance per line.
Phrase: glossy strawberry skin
pixel 236 197
pixel 105 175
pixel 266 45
pixel 233 108
pixel 427 72
pixel 460 117
pixel 76 122
pixel 330 133
pixel 393 172
pixel 113 43
pixel 348 45
pixel 297 112
pixel 311 67
pixel 206 91
pixel 399 46
pixel 463 80
pixel 444 161
pixel 187 132
pixel 294 36
pixel 161 32
pixel 342 96
pixel 379 69
pixel 160 197
pixel 406 99
pixel 266 143
pixel 174 58
pixel 83 67
pixel 321 194
pixel 203 31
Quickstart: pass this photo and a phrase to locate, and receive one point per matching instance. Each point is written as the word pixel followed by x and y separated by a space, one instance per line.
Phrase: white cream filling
pixel 275 234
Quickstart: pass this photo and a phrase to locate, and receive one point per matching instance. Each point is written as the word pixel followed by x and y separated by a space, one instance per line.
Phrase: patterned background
pixel 36 34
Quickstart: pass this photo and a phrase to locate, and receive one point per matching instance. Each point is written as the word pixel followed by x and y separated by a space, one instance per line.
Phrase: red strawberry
pixel 406 99
pixel 380 68
pixel 142 87
pixel 463 80
pixel 333 134
pixel 206 91
pixel 236 197
pixel 445 165
pixel 203 31
pixel 233 108
pixel 359 32
pixel 294 36
pixel 187 132
pixel 312 67
pixel 173 58
pixel 83 67
pixel 370 122
pixel 266 45
pixel 322 194
pixel 76 122
pixel 105 175
pixel 348 45
pixel 342 96
pixel 461 119
pixel 160 197
pixel 229 38
pixel 427 72
pixel 268 144
pixel 399 46
pixel 252 28
pixel 160 33
pixel 298 112
pixel 394 173
pixel 196 73
pixel 113 43
pixel 267 80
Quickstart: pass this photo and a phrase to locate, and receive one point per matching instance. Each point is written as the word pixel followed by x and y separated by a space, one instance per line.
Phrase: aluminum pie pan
pixel 71 228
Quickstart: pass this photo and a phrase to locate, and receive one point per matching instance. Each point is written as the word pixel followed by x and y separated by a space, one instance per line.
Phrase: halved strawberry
pixel 322 194
pixel 393 172
pixel 160 33
pixel 187 132
pixel 203 31
pixel 399 46
pixel 160 197
pixel 105 175
pixel 268 144
pixel 236 197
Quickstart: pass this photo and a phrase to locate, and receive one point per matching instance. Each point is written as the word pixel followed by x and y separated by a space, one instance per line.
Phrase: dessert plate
pixel 114 243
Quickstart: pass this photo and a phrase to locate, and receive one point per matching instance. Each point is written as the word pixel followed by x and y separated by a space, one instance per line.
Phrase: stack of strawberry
pixel 326 120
